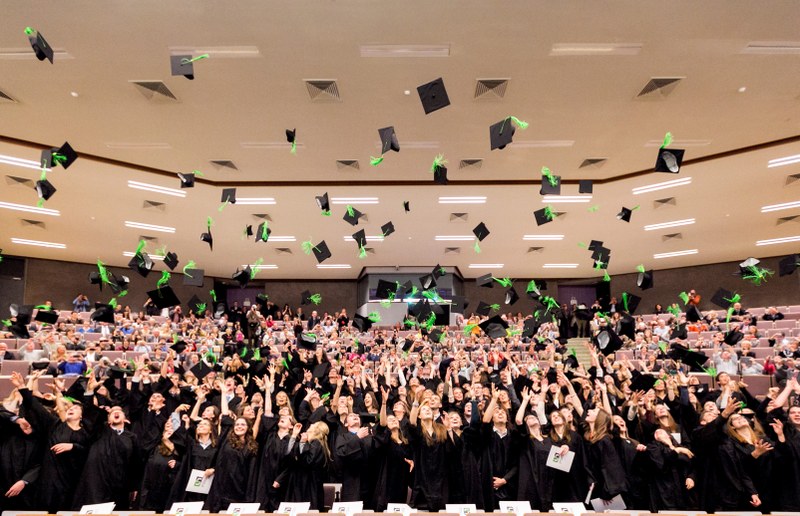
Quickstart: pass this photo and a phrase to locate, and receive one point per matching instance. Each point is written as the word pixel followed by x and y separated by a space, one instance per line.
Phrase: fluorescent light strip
pixel 595 49
pixel 333 266
pixel 223 52
pixel 674 223
pixel 462 200
pixel 263 266
pixel 269 145
pixel 560 266
pixel 783 240
pixel 778 207
pixel 255 200
pixel 378 238
pixel 661 186
pixel 676 253
pixel 59 54
pixel 147 187
pixel 454 238
pixel 151 227
pixel 542 144
pixel 404 50
pixel 19 162
pixel 543 237
pixel 355 200
pixel 547 199
pixel 288 238
pixel 779 162
pixel 486 265
pixel 154 257
pixel 52 245
pixel 29 209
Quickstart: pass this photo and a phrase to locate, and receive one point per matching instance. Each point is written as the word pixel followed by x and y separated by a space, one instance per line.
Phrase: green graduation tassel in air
pixel 468 329
pixel 592 209
pixel 667 140
pixel 307 246
pixel 684 297
pixel 255 268
pixel 531 287
pixel 189 266
pixel 606 276
pixel 553 180
pixel 549 213
pixel 504 282
pixel 625 298
pixel 362 251
pixel 265 231
pixel 495 307
pixel 757 275
pixel 213 294
pixel 192 60
pixel 316 299
pixel 201 308
pixel 165 276
pixel 375 317
pixel 438 162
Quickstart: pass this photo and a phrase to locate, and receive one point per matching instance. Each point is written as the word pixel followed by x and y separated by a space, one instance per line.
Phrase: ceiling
pixel 253 87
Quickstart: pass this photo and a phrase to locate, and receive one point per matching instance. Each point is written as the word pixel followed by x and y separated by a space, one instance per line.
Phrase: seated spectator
pixel 726 362
pixel 738 313
pixel 74 365
pixel 751 366
pixel 80 304
pixel 746 350
pixel 772 314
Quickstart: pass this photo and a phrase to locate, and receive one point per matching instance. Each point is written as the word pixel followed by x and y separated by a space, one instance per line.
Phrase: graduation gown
pixel 571 486
pixel 195 457
pixel 307 474
pixel 535 483
pixel 499 459
pixel 157 481
pixel 232 475
pixel 111 471
pixel 429 488
pixel 393 477
pixel 736 477
pixel 274 460
pixel 667 480
pixel 787 469
pixel 353 456
pixel 464 468
pixel 706 441
pixel 20 459
pixel 606 469
pixel 634 462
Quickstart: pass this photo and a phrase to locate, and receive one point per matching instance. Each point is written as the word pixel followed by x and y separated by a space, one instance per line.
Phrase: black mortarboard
pixel 194 277
pixel 439 271
pixel 164 297
pixel 440 174
pixel 511 296
pixel 408 343
pixel 387 229
pixel 643 382
pixel 679 331
pixel 352 219
pixel 46 159
pixel 541 217
pixel 788 265
pixel 485 281
pixel 404 289
pixel 40 364
pixel 501 134
pixel 208 238
pixel 308 341
pixel 39 45
pixel 693 359
pixel 645 280
pixel 529 327
pixel 182 65
pixel 433 96
pixel 46 316
pixel 625 214
pixel 386 289
pixel 263 232
pixel 367 419
pixel 118 284
pixel 194 303
pixel 19 331
pixel 201 370
pixel 388 140
pixel 242 276
pixel 594 245
pixel 361 322
pixel 187 180
pixel 228 195
pixel 321 252
pixel 427 281
pixel 103 313
pixel 733 337
pixel 534 289
pixel 669 160
pixel 585 186
pixel 693 314
pixel 421 310
pixel 483 309
pixel 323 202
pixel 495 327
pixel 45 189
pixel 458 304
pixel 248 231
pixel 305 297
pixel 480 231
pixel 179 347
pixel 171 260
pixel 24 314
pixel 607 341
pixel 435 336
pixel 603 255
pixel 721 297
pixel 64 155
pixel 407 206
pixel 360 238
pixel 141 263
pixel 291 135
pixel 633 302
pixel 549 188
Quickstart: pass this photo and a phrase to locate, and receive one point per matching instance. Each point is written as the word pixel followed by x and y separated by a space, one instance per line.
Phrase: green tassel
pixel 29 31
pixel 43 175
pixel 197 173
pixel 583 245
pixel 192 60
pixel 606 277
pixel 667 140
pixel 42 307
pixel 201 308
pixel 362 252
pixel 256 355
pixel 468 329
pixel 386 304
pixel 442 271
pixel 69 399
pixel 285 363
pixel 316 299
pixel 40 203
pixel 553 180
pixel 674 310
pixel 504 282
pixel 598 265
pixel 243 352
pixel 408 323
pixel 514 332
pixel 414 291
pixel 592 209
pixel 209 222
pixel 662 346
pixel 635 208
pixel 222 206
pixel 477 246
pixel 625 301
pixel 757 275
pixel 375 317
pixel 428 323
pixel 140 247
pixel 326 213
pixel 101 269
pixel 294 148
pixel 549 213
pixel 375 161
pixel 684 297
pixel 175 338
pixel 711 371
pixel 522 125
pixel 188 266
pixel 550 303
pixel 165 275
pixel 254 269
pixel 113 302
pixel 531 286
pixel 735 299
pixel 350 211
pixel 6 322
pixel 161 251
pixel 438 162
pixel 211 357
pixel 640 268
pixel 265 231
pixel 495 307
pixel 213 295
pixel 307 246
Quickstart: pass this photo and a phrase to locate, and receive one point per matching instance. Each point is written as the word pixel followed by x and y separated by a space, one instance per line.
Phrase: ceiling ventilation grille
pixel 262 216
pixel 536 249
pixel 490 89
pixel 471 164
pixel 5 98
pixel 154 90
pixel 321 90
pixel 593 162
pixel 224 163
pixel 784 220
pixel 672 236
pixel 452 250
pixel 283 250
pixel 347 164
pixel 35 223
pixel 659 87
pixel 160 206
pixel 667 201
pixel 459 217
pixel 148 239
pixel 15 180
pixel 792 178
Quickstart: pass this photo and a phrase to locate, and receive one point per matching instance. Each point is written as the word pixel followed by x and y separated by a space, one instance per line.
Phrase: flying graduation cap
pixel 788 265
pixel 551 184
pixel 433 96
pixel 45 190
pixel 439 170
pixel 187 180
pixel 388 143
pixel 291 137
pixel 625 213
pixel 39 45
pixel 501 133
pixel 669 160
pixel 184 65
pixel 323 203
pixel 64 156
pixel 352 215
pixel 207 237
pixel 544 215
pixel 645 278
pixel 480 231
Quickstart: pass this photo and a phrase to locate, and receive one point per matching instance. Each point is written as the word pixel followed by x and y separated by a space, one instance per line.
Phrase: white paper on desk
pixel 98 508
pixel 199 482
pixel 518 508
pixel 348 508
pixel 401 508
pixel 558 461
pixel 243 508
pixel 460 508
pixel 575 508
pixel 293 507
pixel 181 508
pixel 615 504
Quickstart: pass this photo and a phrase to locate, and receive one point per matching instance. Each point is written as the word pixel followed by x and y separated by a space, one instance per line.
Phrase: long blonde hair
pixel 319 432
pixel 600 428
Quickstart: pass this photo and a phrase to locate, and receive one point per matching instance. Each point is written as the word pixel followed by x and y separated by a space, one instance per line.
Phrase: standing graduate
pixel 199 452
pixel 670 476
pixel 394 456
pixel 274 435
pixel 787 461
pixel 352 452
pixel 463 456
pixel 20 451
pixel 234 468
pixel 429 490
pixel 309 468
pixel 499 465
pixel 160 472
pixel 568 486
pixel 534 480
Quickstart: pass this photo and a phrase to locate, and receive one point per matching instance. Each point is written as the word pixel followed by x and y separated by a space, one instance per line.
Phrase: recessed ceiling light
pixel 454 238
pixel 377 238
pixel 486 265
pixel 333 266
pixel 52 245
pixel 147 187
pixel 560 266
pixel 543 237
pixel 463 200
pixel 595 49
pixel 547 199
pixel 782 206
pixel 286 238
pixel 404 50
pixel 29 209
pixel 154 257
pixel 742 89
pixel 151 227
pixel 780 162
pixel 772 47
pixel 355 200
pixel 675 253
pixel 661 186
pixel 664 225
pixel 783 240
pixel 255 200
pixel 20 162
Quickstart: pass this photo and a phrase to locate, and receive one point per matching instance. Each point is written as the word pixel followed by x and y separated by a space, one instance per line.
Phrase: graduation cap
pixel 171 260
pixel 388 140
pixel 103 313
pixel 179 347
pixel 436 336
pixel 305 297
pixel 45 189
pixel 483 309
pixel 630 302
pixel 19 331
pixel 693 314
pixel 433 96
pixel 421 310
pixel 351 216
pixel 788 265
pixel 511 296
pixel 201 370
pixel 141 263
pixel 404 289
pixel 164 297
pixel 308 341
pixel 645 279
pixel 408 343
pixel 594 245
pixel 440 174
pixel 439 271
pixel 485 281
pixel 458 304
pixel 407 206
pixel 228 195
pixel 495 327
pixel 194 277
pixel 544 215
pixel 733 337
pixel 693 359
pixel 387 229
pixel 39 45
pixel 550 187
pixel 669 160
pixel 607 341
pixel 585 186
pixel 501 133
pixel 427 281
pixel 386 289
pixel 534 289
pixel 362 323
pixel 625 214
pixel 263 232
pixel 46 316
pixel 248 230
pixel 184 65
pixel 242 276
pixel 360 238
pixel 722 298
pixel 643 382
pixel 323 203
pixel 367 419
pixel 64 156
pixel 187 180
pixel 530 327
pixel 480 231
pixel 196 305
pixel 291 137
pixel 321 252
pixel 208 238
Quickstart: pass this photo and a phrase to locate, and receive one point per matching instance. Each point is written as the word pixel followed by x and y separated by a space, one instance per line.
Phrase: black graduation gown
pixel 706 441
pixel 787 469
pixel 307 474
pixel 535 483
pixel 464 467
pixel 275 459
pixel 571 486
pixel 111 470
pixel 499 459
pixel 157 482
pixel 20 459
pixel 634 462
pixel 607 471
pixel 393 477
pixel 429 488
pixel 195 457
pixel 667 479
pixel 736 482
pixel 232 475
pixel 352 455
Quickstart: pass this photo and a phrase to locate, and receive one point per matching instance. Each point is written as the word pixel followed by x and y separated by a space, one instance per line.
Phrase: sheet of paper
pixel 98 508
pixel 292 508
pixel 401 508
pixel 558 461
pixel 575 508
pixel 181 508
pixel 348 508
pixel 615 504
pixel 461 508
pixel 242 508
pixel 518 508
pixel 199 482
